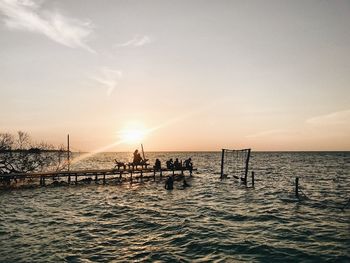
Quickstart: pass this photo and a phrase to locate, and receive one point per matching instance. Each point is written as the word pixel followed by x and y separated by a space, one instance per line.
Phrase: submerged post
pixel 246 166
pixel 222 163
pixel 297 187
pixel 253 179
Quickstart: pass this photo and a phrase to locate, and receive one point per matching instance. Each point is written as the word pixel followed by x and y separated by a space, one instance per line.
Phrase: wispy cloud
pixel 108 78
pixel 136 41
pixel 334 118
pixel 29 15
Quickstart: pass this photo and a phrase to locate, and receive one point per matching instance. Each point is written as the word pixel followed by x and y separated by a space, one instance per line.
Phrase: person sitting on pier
pixel 170 164
pixel 189 165
pixel 169 183
pixel 157 165
pixel 137 160
pixel 137 157
pixel 177 164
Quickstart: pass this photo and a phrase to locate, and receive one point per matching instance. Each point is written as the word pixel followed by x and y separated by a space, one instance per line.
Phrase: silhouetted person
pixel 137 157
pixel 185 184
pixel 169 164
pixel 169 183
pixel 189 165
pixel 157 165
pixel 177 164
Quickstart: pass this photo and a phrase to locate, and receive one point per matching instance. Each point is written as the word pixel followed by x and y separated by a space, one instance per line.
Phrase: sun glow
pixel 131 136
pixel 133 132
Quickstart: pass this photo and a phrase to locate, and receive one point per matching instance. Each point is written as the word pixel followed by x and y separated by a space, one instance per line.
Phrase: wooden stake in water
pixel 246 167
pixel 253 179
pixel 297 187
pixel 222 163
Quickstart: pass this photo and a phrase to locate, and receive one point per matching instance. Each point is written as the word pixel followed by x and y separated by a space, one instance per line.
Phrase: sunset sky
pixel 177 75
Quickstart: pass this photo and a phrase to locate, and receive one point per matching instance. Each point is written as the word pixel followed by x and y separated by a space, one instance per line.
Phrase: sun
pixel 132 135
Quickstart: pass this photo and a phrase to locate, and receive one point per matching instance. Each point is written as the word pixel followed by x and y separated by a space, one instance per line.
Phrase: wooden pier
pixel 88 176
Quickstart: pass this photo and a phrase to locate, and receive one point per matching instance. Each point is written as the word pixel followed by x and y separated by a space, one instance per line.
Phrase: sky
pixel 177 75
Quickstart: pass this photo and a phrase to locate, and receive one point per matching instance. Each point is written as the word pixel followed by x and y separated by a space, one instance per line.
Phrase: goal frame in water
pixel 246 161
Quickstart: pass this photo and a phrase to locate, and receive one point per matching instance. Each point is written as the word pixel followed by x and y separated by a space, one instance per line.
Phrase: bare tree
pixel 23 140
pixel 18 154
pixel 6 141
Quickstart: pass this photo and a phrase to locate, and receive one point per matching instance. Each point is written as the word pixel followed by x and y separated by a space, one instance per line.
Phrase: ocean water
pixel 211 221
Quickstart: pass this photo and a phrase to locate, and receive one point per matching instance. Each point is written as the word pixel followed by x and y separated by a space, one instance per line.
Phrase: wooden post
pixel 161 173
pixel 120 176
pixel 297 187
pixel 141 175
pixel 96 179
pixel 69 179
pixel 246 167
pixel 253 179
pixel 143 153
pixel 222 163
pixel 131 177
pixel 173 171
pixel 76 179
pixel 104 178
pixel 154 174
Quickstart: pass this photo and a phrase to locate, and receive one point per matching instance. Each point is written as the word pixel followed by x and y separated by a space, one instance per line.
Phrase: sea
pixel 213 220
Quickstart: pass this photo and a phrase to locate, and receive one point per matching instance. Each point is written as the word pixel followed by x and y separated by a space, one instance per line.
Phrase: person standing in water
pixel 169 183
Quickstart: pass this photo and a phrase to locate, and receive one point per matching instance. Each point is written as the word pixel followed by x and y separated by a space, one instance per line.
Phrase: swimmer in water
pixel 185 184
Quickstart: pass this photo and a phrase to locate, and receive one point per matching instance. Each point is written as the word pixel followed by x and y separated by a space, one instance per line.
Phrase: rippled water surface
pixel 212 220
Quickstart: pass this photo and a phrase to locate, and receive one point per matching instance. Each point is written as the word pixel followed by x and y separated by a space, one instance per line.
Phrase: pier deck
pixel 74 177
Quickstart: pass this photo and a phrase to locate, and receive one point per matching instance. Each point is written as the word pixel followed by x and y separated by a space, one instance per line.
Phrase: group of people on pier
pixel 170 164
pixel 177 165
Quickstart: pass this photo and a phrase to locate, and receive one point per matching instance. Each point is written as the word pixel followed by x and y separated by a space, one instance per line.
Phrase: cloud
pixel 28 15
pixel 137 41
pixel 334 118
pixel 108 78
